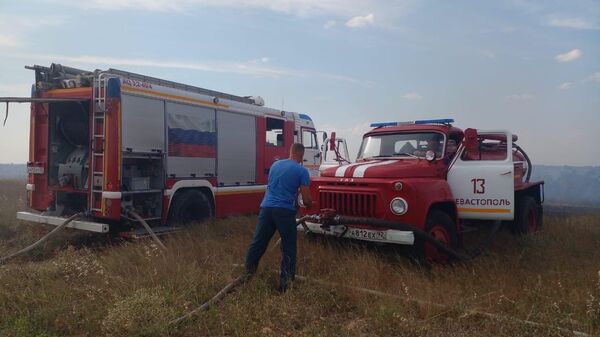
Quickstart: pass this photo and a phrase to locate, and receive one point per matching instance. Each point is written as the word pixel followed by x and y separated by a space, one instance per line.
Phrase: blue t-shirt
pixel 285 177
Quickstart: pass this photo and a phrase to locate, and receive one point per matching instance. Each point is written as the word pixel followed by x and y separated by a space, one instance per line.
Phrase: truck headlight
pixel 398 206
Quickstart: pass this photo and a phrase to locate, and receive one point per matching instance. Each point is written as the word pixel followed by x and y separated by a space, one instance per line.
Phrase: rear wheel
pixel 527 219
pixel 190 206
pixel 441 227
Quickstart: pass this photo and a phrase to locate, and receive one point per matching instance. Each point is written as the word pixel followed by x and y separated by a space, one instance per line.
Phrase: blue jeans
pixel 284 221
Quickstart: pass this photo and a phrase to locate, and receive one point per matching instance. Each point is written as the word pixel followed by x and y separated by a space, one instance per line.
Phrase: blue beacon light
pixel 422 121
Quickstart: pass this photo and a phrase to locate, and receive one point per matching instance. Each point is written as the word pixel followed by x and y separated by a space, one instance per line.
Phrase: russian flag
pixel 192 143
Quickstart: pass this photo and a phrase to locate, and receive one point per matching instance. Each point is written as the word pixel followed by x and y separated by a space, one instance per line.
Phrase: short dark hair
pixel 297 148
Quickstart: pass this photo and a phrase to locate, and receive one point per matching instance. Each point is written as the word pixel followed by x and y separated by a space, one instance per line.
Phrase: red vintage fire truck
pixel 112 141
pixel 432 176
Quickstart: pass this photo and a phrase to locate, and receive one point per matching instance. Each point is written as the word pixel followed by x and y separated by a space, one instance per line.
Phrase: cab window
pixel 309 139
pixel 274 131
pixel 487 149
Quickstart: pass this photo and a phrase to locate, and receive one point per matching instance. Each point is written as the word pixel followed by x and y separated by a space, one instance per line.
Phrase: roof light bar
pixel 447 121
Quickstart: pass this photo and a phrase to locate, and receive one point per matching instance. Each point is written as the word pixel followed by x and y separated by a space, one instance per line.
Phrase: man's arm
pixel 305 189
pixel 306 198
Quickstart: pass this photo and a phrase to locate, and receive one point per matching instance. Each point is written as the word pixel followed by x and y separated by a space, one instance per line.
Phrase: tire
pixel 528 219
pixel 189 206
pixel 441 226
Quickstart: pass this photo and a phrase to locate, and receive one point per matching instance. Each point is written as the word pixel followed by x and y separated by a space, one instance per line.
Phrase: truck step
pixel 142 233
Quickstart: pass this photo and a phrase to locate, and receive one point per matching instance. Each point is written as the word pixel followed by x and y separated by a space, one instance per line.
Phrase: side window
pixel 274 132
pixel 309 139
pixel 487 149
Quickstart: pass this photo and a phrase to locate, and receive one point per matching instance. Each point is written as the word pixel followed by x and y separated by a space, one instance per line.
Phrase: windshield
pixel 413 145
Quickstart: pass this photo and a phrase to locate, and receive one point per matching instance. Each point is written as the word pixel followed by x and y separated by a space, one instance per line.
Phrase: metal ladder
pixel 97 140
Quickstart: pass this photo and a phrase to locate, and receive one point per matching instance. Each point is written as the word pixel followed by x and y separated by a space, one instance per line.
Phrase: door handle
pixel 305 160
pixel 505 173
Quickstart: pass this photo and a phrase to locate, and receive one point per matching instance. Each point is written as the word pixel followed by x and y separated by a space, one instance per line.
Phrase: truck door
pixel 329 157
pixel 279 137
pixel 481 176
pixel 312 155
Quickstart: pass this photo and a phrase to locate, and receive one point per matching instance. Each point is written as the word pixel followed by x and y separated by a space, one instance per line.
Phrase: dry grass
pixel 131 289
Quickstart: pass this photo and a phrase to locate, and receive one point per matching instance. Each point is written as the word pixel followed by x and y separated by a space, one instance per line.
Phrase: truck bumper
pixel 387 236
pixel 97 227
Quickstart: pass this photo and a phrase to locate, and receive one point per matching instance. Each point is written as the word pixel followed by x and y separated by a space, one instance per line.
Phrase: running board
pixel 97 227
pixel 142 233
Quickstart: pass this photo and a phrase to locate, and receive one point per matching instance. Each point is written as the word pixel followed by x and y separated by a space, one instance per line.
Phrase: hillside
pixel 570 185
pixel 13 171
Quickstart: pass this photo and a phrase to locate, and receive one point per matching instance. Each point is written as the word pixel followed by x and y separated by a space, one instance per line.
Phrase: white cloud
pixel 20 26
pixel 412 96
pixel 263 59
pixel 329 24
pixel 565 86
pixel 518 97
pixel 569 56
pixel 572 23
pixel 8 41
pixel 149 5
pixel 302 8
pixel 595 77
pixel 361 21
pixel 258 67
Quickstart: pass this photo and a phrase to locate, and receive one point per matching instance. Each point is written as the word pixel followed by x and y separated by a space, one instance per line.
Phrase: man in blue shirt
pixel 278 212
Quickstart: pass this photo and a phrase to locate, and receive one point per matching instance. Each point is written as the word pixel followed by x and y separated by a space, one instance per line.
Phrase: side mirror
pixel 332 142
pixel 324 136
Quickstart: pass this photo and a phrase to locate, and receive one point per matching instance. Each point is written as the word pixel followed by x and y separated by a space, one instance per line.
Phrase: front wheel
pixel 440 226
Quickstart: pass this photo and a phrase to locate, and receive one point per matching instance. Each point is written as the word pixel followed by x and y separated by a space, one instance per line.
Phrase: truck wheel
pixel 190 206
pixel 527 220
pixel 441 226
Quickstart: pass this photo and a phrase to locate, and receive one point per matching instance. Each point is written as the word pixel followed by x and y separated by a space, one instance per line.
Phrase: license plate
pixel 366 234
pixel 35 169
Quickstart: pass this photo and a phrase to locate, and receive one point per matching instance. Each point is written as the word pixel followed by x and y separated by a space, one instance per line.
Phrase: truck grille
pixel 355 204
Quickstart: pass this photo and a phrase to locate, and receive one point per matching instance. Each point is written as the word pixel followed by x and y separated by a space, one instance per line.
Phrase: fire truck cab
pixel 433 176
pixel 109 142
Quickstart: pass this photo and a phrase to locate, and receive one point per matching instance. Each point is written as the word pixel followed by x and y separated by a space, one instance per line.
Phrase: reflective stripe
pixel 111 195
pixel 240 189
pixel 360 171
pixel 341 171
pixel 484 210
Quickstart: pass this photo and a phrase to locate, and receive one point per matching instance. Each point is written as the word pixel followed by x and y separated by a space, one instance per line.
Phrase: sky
pixel 531 67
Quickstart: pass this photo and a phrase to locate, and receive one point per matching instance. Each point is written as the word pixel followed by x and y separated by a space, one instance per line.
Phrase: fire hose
pixel 64 225
pixel 147 227
pixel 329 218
pixel 45 237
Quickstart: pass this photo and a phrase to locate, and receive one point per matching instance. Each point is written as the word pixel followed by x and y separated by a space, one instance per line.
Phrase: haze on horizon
pixel 532 67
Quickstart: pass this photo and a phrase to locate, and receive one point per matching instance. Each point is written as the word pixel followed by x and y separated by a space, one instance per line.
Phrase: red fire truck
pixel 432 176
pixel 112 141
